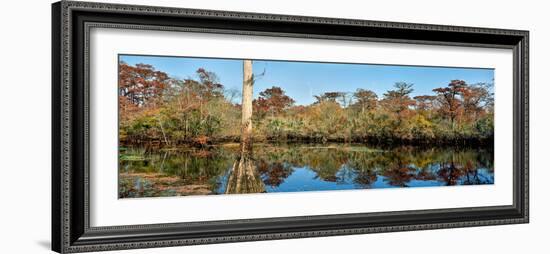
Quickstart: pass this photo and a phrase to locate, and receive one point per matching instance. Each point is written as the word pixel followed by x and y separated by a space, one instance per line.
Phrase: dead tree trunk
pixel 246 121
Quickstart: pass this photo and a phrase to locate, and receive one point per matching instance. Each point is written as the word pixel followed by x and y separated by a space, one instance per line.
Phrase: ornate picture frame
pixel 71 24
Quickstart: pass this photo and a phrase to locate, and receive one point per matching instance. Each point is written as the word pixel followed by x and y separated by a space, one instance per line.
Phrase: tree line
pixel 156 107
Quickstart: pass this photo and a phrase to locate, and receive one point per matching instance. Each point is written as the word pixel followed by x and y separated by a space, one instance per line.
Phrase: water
pixel 297 167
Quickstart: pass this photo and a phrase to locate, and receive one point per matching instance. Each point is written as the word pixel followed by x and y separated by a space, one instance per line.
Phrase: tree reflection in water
pixel 297 167
pixel 244 176
pixel 274 174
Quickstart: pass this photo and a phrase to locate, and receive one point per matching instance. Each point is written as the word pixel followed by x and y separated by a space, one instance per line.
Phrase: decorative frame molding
pixel 71 22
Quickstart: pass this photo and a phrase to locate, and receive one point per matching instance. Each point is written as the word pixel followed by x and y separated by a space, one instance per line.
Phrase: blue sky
pixel 302 80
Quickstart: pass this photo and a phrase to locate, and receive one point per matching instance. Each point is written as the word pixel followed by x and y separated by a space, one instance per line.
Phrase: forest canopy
pixel 154 107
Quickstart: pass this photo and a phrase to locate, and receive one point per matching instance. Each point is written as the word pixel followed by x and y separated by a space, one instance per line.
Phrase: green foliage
pixel 485 126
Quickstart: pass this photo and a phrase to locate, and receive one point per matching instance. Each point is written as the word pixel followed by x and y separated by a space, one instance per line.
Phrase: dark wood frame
pixel 71 22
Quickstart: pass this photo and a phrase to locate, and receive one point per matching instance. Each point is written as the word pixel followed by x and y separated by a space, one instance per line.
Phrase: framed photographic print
pixel 181 126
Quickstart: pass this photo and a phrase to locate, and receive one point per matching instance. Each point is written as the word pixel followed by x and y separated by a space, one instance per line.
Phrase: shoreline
pixel 463 143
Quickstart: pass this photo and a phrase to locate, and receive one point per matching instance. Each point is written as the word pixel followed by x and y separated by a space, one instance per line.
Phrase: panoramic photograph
pixel 208 126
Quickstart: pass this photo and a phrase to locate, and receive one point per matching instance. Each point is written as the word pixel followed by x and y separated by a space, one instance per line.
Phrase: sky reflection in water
pixel 294 168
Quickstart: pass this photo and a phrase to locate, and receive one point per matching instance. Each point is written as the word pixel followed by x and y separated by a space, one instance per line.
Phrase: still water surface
pixel 297 167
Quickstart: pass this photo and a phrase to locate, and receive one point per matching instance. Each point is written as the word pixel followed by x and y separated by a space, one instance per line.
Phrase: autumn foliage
pixel 200 110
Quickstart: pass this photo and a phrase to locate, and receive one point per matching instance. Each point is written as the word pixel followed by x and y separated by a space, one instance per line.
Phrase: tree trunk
pixel 246 123
pixel 163 133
